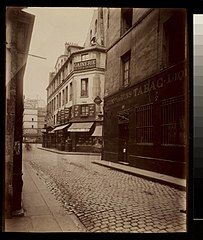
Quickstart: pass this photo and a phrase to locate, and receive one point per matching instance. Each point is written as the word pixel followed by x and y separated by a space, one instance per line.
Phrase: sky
pixel 52 28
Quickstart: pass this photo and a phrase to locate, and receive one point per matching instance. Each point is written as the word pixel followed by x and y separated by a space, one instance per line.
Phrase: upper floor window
pixel 108 17
pixel 90 36
pixel 126 19
pixel 71 91
pixel 63 97
pixel 126 69
pixel 66 94
pixel 95 27
pixel 32 119
pixel 174 39
pixel 101 13
pixel 84 56
pixel 84 87
pixel 59 99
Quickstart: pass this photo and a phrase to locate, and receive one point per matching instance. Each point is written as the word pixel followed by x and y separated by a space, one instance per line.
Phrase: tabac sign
pixel 155 83
pixel 85 64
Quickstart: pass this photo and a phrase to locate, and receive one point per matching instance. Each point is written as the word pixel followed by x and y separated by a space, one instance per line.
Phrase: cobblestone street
pixel 106 200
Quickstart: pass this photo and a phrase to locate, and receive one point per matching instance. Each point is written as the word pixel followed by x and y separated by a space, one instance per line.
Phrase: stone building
pixel 75 94
pixel 33 120
pixel 19 27
pixel 146 89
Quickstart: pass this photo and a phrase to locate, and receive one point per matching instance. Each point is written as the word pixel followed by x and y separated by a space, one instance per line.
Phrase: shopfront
pixel 146 125
pixel 80 134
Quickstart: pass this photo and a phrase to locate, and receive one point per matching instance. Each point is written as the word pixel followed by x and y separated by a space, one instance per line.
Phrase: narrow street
pixel 106 200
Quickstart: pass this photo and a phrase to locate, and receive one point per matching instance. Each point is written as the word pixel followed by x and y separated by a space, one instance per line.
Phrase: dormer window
pixel 84 57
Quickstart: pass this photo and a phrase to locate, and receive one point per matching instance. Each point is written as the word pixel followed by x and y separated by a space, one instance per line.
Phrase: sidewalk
pixel 178 183
pixel 42 212
pixel 68 153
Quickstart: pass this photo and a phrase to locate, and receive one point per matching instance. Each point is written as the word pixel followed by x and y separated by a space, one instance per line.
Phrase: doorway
pixel 123 142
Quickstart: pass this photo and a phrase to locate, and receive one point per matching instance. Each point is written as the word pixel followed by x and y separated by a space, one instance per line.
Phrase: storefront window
pixel 84 140
pixel 172 111
pixel 144 124
pixel 84 110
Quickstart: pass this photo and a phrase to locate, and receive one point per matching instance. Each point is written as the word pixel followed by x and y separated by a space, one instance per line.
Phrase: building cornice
pixel 89 49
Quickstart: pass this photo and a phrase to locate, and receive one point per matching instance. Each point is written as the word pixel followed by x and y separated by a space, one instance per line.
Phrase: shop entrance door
pixel 123 142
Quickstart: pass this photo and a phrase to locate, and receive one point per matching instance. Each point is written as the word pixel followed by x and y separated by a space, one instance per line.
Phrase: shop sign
pixel 153 84
pixel 85 64
pixel 97 100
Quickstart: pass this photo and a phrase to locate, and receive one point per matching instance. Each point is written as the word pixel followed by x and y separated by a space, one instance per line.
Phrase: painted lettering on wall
pixel 85 64
pixel 150 85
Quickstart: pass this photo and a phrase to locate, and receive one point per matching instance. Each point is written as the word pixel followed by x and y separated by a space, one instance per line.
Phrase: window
pixel 70 66
pixel 71 89
pixel 173 40
pixel 90 36
pixel 172 115
pixel 84 57
pixel 32 126
pixel 66 94
pixel 84 110
pixel 59 99
pixel 108 16
pixel 95 27
pixel 62 76
pixel 84 87
pixel 63 97
pixel 32 119
pixel 126 19
pixel 144 124
pixel 126 69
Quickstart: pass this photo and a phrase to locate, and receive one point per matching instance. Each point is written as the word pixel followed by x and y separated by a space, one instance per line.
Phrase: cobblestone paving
pixel 107 200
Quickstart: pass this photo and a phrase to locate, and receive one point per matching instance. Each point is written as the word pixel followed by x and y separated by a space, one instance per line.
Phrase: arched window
pixel 95 27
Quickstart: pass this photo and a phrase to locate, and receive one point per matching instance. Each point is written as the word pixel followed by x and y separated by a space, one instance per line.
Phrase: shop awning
pixel 80 127
pixel 60 127
pixel 43 130
pixel 97 132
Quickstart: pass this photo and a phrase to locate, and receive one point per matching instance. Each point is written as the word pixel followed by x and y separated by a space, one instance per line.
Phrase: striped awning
pixel 80 127
pixel 97 132
pixel 60 127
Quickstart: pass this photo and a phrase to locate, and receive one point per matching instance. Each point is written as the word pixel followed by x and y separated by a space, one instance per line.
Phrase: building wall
pixel 154 85
pixel 99 15
pixel 19 27
pixel 94 73
pixel 33 119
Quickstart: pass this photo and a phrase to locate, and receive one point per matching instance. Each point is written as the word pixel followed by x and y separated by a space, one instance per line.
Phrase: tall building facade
pixel 146 89
pixel 75 94
pixel 33 120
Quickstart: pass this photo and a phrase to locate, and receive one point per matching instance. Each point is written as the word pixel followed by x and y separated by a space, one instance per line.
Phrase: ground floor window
pixel 144 124
pixel 83 139
pixel 172 117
